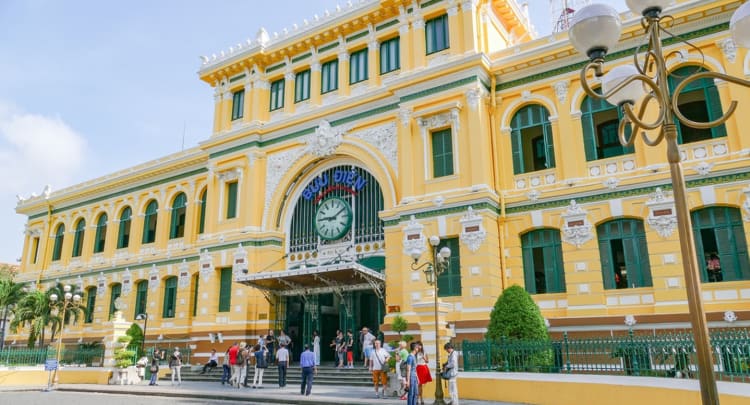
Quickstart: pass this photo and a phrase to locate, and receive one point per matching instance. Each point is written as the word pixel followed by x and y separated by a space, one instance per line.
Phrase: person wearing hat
pixel 175 364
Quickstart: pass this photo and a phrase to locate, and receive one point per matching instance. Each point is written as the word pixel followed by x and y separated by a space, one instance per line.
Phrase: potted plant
pixel 124 360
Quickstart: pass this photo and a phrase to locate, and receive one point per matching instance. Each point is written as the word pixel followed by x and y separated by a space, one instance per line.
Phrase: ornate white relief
pixel 662 216
pixel 630 320
pixel 474 96
pixel 79 283
pixel 183 274
pixel 230 175
pixel 240 261
pixel 577 230
pixel 153 278
pixel 384 138
pixel 746 204
pixel 451 117
pixel 325 140
pixel 473 233
pixel 611 183
pixel 206 265
pixel 704 168
pixel 561 90
pixel 101 285
pixel 526 95
pixel 278 164
pixel 533 195
pixel 414 240
pixel 404 115
pixel 730 316
pixel 127 282
pixel 728 48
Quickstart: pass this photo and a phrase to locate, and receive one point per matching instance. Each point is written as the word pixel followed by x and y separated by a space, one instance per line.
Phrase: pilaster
pixel 418 44
pixel 289 82
pixel 372 62
pixel 315 79
pixel 469 26
pixel 455 29
pixel 343 69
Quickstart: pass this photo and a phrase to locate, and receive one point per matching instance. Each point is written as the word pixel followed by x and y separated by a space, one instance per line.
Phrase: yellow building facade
pixel 341 146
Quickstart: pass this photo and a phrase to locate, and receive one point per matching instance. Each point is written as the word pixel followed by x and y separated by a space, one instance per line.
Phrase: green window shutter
pixel 528 262
pixel 114 294
pixel 302 86
pixel 358 66
pixel 722 228
pixel 436 34
pixel 589 137
pixel 515 141
pixel 202 219
pixel 225 290
pixel 277 95
pixel 608 271
pixel 442 153
pixel 177 223
pixel 149 223
pixel 238 104
pixel 59 239
pixel 78 238
pixel 449 283
pixel 123 233
pixel 631 235
pixel 713 102
pixel 232 199
pixel 390 55
pixel 90 304
pixel 549 144
pixel 141 298
pixel 170 297
pixel 329 76
pixel 548 242
pixel 196 283
pixel 101 234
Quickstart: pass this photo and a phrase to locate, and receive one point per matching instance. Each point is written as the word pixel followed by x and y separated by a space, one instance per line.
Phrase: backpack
pixel 260 361
pixel 240 358
pixel 403 367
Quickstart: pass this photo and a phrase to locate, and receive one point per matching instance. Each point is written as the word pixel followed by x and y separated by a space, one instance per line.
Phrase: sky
pixel 89 87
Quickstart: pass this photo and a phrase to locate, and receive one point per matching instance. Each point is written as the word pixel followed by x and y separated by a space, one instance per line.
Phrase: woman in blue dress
pixel 412 384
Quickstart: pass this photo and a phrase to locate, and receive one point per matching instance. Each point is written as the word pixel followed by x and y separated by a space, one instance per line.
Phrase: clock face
pixel 333 218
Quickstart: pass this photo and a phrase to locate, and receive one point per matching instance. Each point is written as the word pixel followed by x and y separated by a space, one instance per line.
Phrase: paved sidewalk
pixel 323 395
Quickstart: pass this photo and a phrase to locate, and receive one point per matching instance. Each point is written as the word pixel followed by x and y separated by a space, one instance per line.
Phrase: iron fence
pixel 664 355
pixel 17 356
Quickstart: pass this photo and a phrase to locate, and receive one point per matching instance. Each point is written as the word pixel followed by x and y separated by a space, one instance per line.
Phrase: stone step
pixel 359 377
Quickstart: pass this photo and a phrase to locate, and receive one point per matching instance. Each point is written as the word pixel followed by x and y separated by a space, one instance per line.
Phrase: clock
pixel 333 218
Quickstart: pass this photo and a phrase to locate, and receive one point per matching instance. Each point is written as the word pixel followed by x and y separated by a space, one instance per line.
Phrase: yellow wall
pixel 40 377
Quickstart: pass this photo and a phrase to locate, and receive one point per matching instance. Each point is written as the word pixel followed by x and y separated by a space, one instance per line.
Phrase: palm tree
pixel 11 294
pixel 33 310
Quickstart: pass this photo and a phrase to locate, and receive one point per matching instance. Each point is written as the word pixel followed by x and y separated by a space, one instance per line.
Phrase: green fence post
pixel 566 344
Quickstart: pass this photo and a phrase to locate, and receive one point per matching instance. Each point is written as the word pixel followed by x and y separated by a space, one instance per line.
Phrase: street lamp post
pixel 70 301
pixel 594 31
pixel 433 270
pixel 143 317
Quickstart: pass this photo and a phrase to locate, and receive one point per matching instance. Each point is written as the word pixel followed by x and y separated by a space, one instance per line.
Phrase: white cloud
pixel 36 150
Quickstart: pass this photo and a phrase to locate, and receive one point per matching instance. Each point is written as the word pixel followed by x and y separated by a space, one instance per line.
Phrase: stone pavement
pixel 323 395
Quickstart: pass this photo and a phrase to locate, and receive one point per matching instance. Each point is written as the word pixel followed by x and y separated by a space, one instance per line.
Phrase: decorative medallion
pixel 127 282
pixel 153 278
pixel 101 284
pixel 325 140
pixel 730 316
pixel 661 216
pixel 473 233
pixel 414 241
pixel 577 229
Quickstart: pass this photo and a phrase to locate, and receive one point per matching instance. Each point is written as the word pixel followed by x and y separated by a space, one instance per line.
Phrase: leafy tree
pixel 518 326
pixel 136 334
pixel 516 316
pixel 11 293
pixel 399 325
pixel 73 311
pixel 32 311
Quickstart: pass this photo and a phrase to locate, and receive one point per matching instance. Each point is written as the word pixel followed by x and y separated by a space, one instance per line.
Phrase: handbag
pixel 154 369
pixel 447 373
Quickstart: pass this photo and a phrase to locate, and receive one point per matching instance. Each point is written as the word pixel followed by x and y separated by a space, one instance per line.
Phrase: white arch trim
pixel 528 99
pixel 746 64
pixel 706 61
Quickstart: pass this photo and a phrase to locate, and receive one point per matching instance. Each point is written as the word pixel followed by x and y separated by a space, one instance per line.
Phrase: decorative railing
pixel 666 355
pixel 12 356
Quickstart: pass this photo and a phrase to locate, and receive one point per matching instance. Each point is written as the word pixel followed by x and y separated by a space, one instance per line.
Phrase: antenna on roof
pixel 184 129
pixel 562 13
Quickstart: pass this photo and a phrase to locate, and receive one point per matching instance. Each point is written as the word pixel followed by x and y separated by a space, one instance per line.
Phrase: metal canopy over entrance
pixel 306 281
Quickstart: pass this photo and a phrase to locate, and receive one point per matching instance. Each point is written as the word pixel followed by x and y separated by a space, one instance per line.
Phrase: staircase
pixel 327 375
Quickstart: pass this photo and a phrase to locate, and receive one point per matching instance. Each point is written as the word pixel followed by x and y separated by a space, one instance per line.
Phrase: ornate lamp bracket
pixel 473 233
pixel 414 240
pixel 662 215
pixel 577 229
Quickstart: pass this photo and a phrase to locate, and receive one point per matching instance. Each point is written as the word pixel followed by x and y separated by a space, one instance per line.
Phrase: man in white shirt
pixel 213 361
pixel 367 342
pixel 282 359
pixel 379 367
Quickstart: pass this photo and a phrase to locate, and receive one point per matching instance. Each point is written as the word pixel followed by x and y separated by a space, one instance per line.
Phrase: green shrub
pixel 399 325
pixel 136 334
pixel 123 356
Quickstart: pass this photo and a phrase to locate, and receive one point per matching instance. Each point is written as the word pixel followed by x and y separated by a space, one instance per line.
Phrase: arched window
pixel 543 262
pixel 531 140
pixel 624 254
pixel 149 223
pixel 90 304
pixel 101 234
pixel 177 224
pixel 78 238
pixel 202 218
pixel 170 297
pixel 115 292
pixel 141 297
pixel 600 121
pixel 59 239
pixel 698 102
pixel 720 243
pixel 123 237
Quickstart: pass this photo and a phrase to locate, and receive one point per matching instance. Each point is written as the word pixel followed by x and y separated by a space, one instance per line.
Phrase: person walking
pixel 423 370
pixel 411 375
pixel 309 369
pixel 243 359
pixel 156 357
pixel 367 344
pixel 226 370
pixel 349 349
pixel 452 366
pixel 175 364
pixel 261 364
pixel 213 361
pixel 282 360
pixel 339 342
pixel 316 347
pixel 379 367
pixel 401 367
pixel 233 351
